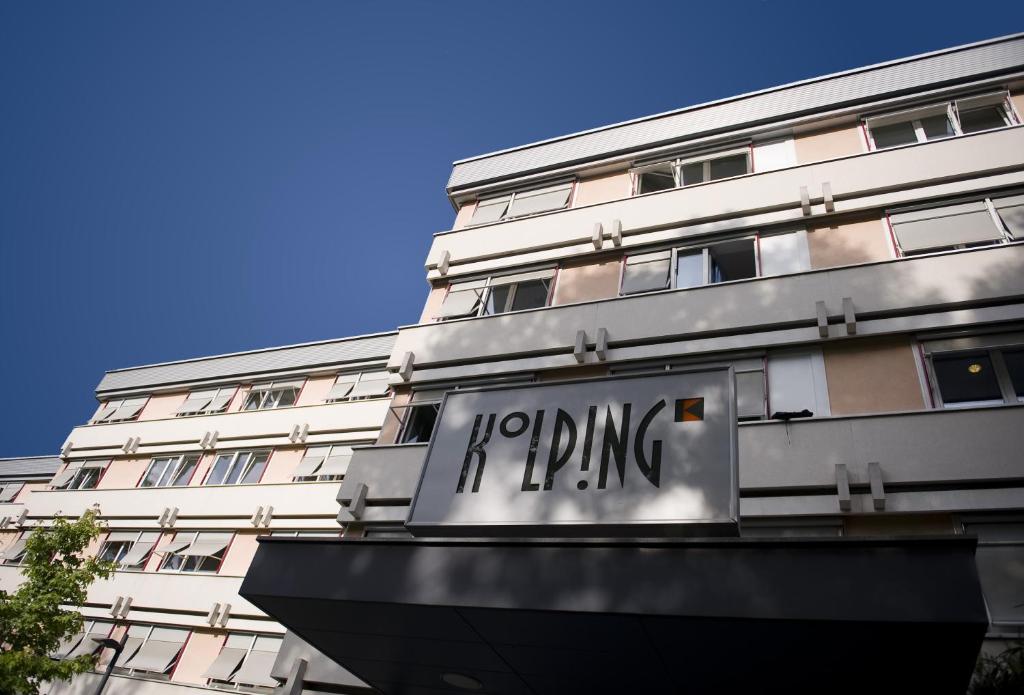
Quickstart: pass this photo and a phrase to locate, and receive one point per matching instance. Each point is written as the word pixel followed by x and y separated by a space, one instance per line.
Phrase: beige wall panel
pixel 899 525
pixel 239 398
pixel 162 406
pixel 153 563
pixel 202 468
pixel 282 463
pixel 1018 102
pixel 464 215
pixel 123 473
pixel 434 300
pixel 94 545
pixel 845 243
pixel 105 654
pixel 389 430
pixel 240 553
pixel 200 651
pixel 872 376
pixel 829 144
pixel 602 189
pixel 594 279
pixel 315 390
pixel 29 488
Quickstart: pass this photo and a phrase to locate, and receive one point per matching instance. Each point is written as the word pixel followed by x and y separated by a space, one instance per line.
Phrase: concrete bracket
pixel 213 439
pixel 826 193
pixel 617 232
pixel 597 236
pixel 579 350
pixel 268 516
pixel 66 449
pixel 442 265
pixel 405 370
pixel 822 312
pixel 172 517
pixel 205 441
pixel 225 614
pixel 843 487
pixel 601 350
pixel 257 515
pixel 849 316
pixel 877 486
pixel 805 201
pixel 296 679
pixel 211 617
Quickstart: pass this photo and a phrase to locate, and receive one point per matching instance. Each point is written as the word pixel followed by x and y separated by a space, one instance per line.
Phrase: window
pixel 419 423
pixel 323 463
pixel 522 203
pixel 151 651
pixel 80 475
pixel 690 171
pixel 15 552
pixel 9 491
pixel 238 468
pixel 690 267
pixel 170 471
pixel 982 370
pixel 940 121
pixel 1000 560
pixel 84 642
pixel 497 295
pixel 120 410
pixel 359 386
pixel 796 382
pixel 194 552
pixel 958 225
pixel 245 661
pixel 128 549
pixel 206 402
pixel 278 394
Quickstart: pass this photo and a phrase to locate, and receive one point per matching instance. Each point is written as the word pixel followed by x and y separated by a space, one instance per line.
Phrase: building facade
pixel 848 246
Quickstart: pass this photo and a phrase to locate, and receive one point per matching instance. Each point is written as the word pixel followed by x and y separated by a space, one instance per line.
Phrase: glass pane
pixel 421 424
pixel 690 269
pixel 255 469
pixel 241 461
pixel 732 260
pixel 893 135
pixel 1015 365
pixel 652 181
pixel 966 378
pixel 982 118
pixel 726 167
pixel 937 127
pixel 287 397
pixel 155 472
pixel 86 479
pixel 112 552
pixel 253 400
pixel 497 299
pixel 219 470
pixel 531 294
pixel 646 277
pixel 693 173
pixel 184 474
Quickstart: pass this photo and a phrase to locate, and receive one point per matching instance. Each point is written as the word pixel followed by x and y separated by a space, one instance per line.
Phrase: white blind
pixel 1011 211
pixel 540 200
pixel 949 225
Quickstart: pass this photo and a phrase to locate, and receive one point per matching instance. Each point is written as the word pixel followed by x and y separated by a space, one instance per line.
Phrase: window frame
pixel 317 478
pixel 217 393
pixel 678 162
pixel 17 561
pixel 359 379
pixel 83 473
pixel 141 565
pixel 951 108
pixel 113 406
pixel 178 464
pixel 705 249
pixel 511 195
pixel 1006 236
pixel 406 415
pixel 232 686
pixel 994 347
pixel 273 392
pixel 235 455
pixel 153 675
pixel 197 566
pixel 485 285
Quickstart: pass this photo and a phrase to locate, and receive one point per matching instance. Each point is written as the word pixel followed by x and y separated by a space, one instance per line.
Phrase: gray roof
pixel 373 347
pixel 862 85
pixel 23 468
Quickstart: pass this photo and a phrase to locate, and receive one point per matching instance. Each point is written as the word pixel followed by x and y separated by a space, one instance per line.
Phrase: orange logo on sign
pixel 689 409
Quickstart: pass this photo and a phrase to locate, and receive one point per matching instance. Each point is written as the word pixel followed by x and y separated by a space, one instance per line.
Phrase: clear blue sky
pixel 187 178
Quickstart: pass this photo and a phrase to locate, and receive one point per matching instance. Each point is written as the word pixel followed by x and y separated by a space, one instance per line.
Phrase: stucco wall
pixel 162 406
pixel 281 465
pixel 200 651
pixel 433 304
pixel 123 473
pixel 240 553
pixel 315 390
pixel 464 215
pixel 587 280
pixel 602 189
pixel 829 144
pixel 860 240
pixel 872 376
pixel 389 430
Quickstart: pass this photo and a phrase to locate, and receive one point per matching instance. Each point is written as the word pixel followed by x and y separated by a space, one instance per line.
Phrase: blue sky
pixel 188 178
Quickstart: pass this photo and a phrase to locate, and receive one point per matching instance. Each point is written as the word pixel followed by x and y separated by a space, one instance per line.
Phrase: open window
pixel 940 121
pixel 976 370
pixel 694 266
pixel 277 394
pixel 327 462
pixel 206 402
pixel 84 642
pixel 9 491
pixel 129 550
pixel 689 171
pixel 170 471
pixel 522 203
pixel 498 294
pixel 120 410
pixel 986 112
pixel 961 224
pixel 655 177
pixel 151 651
pixel 238 468
pixel 15 552
pixel 246 660
pixel 79 475
pixel 355 386
pixel 200 552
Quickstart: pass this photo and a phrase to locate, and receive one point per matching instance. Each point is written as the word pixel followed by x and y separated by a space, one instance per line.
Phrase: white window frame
pixel 229 391
pixel 232 686
pixel 678 163
pixel 511 195
pixel 484 286
pixel 193 564
pixel 706 261
pixel 236 460
pixel 272 392
pixel 175 465
pixel 306 534
pixel 1005 236
pixel 149 630
pixel 404 414
pixel 993 346
pixel 360 376
pixel 108 409
pixel 318 478
pixel 84 473
pixel 127 548
pixel 950 108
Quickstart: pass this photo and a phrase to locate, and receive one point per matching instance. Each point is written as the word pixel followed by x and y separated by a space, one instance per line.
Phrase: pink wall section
pixel 1018 102
pixel 156 558
pixel 236 403
pixel 200 651
pixel 602 189
pixel 464 215
pixel 123 473
pixel 829 144
pixel 204 465
pixel 240 553
pixel 433 305
pixel 282 463
pixel 105 654
pixel 162 406
pixel 315 390
pixel 28 490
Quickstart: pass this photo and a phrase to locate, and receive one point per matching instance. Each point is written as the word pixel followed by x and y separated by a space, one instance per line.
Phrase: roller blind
pixel 1011 211
pixel 337 462
pixel 129 409
pixel 522 277
pixel 949 225
pixel 540 200
pixel 137 553
pixel 460 303
pixel 370 388
pixel 155 655
pixel 342 386
pixel 225 664
pixel 206 546
pixel 219 403
pixel 196 402
pixel 490 210
pixel 64 477
pixel 749 394
pixel 66 646
pixel 8 492
pixel 311 461
pixel 16 550
pixel 256 669
pixel 646 272
pixel 88 644
pixel 173 547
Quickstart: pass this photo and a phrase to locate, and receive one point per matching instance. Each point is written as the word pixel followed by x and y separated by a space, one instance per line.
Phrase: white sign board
pixel 636 456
